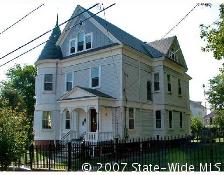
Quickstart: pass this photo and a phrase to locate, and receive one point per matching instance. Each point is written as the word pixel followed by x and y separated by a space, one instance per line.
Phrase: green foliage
pixel 216 91
pixel 196 124
pixel 13 135
pixel 219 119
pixel 214 36
pixel 18 92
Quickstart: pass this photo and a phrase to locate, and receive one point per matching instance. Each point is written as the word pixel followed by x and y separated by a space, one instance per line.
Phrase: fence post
pixel 69 156
pixel 116 149
pixel 31 150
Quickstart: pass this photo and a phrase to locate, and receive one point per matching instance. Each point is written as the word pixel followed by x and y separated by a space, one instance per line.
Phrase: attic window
pixel 81 43
pixel 172 55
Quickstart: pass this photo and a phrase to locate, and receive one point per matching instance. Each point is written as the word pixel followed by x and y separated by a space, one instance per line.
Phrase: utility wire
pixel 198 4
pixel 181 20
pixel 56 35
pixel 21 19
pixel 45 33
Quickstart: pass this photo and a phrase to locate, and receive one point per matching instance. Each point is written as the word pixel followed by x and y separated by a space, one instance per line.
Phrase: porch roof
pixel 83 93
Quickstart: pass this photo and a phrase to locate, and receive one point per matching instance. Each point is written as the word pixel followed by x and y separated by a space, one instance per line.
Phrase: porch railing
pixel 98 136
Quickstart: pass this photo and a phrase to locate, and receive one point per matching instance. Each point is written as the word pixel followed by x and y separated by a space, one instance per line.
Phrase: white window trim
pixel 47 129
pixel 84 42
pixel 90 75
pixel 65 90
pixel 134 112
pixel 66 120
pixel 154 82
pixel 91 34
pixel 70 41
pixel 48 91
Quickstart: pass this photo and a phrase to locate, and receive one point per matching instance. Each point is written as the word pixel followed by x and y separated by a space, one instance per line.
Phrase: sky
pixel 147 20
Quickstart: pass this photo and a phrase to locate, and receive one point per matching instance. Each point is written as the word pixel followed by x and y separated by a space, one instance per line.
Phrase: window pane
pixel 95 82
pixel 48 86
pixel 95 76
pixel 72 46
pixel 156 77
pixel 131 124
pixel 48 78
pixel 67 120
pixel 88 41
pixel 68 86
pixel 181 120
pixel 46 120
pixel 149 91
pixel 170 119
pixel 69 77
pixel 80 41
pixel 131 113
pixel 158 119
pixel 95 72
pixel 156 82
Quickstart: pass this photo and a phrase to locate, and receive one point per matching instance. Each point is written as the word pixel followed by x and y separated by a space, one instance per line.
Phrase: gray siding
pixel 99 39
pixel 110 79
pixel 135 77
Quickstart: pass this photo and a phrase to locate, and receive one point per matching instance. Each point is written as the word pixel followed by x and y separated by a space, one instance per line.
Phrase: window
pixel 172 55
pixel 149 90
pixel 72 46
pixel 67 120
pixel 46 120
pixel 156 82
pixel 169 83
pixel 88 41
pixel 48 82
pixel 68 81
pixel 80 42
pixel 179 87
pixel 131 118
pixel 158 119
pixel 95 76
pixel 181 119
pixel 170 119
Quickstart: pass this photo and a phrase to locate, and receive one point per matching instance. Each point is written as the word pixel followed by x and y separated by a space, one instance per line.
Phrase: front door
pixel 93 120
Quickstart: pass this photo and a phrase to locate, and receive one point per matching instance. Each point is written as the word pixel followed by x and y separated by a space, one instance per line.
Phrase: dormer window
pixel 81 43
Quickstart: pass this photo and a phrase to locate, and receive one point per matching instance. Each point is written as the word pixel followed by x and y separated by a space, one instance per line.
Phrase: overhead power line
pixel 198 4
pixel 3 31
pixel 57 35
pixel 45 33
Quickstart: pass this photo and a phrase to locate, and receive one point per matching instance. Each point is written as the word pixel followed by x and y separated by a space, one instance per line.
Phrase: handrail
pixel 66 135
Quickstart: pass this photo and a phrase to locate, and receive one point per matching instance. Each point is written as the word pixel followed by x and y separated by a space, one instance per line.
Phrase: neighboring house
pixel 208 119
pixel 98 82
pixel 197 109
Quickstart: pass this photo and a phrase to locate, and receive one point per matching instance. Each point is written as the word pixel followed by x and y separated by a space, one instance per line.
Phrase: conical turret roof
pixel 51 50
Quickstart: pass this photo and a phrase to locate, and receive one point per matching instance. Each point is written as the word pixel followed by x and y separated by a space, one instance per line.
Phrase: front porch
pixel 87 115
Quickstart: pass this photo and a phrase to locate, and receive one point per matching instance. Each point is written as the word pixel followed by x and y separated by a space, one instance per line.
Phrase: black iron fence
pixel 204 152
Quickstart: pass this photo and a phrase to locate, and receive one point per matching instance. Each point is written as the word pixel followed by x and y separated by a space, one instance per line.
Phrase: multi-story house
pixel 98 82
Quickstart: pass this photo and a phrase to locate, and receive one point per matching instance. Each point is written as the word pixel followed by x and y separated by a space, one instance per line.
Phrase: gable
pixel 175 48
pixel 100 38
pixel 76 93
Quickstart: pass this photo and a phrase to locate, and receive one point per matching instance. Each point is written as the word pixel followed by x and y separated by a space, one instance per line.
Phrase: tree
pixel 196 124
pixel 219 119
pixel 19 92
pixel 13 135
pixel 216 91
pixel 214 36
